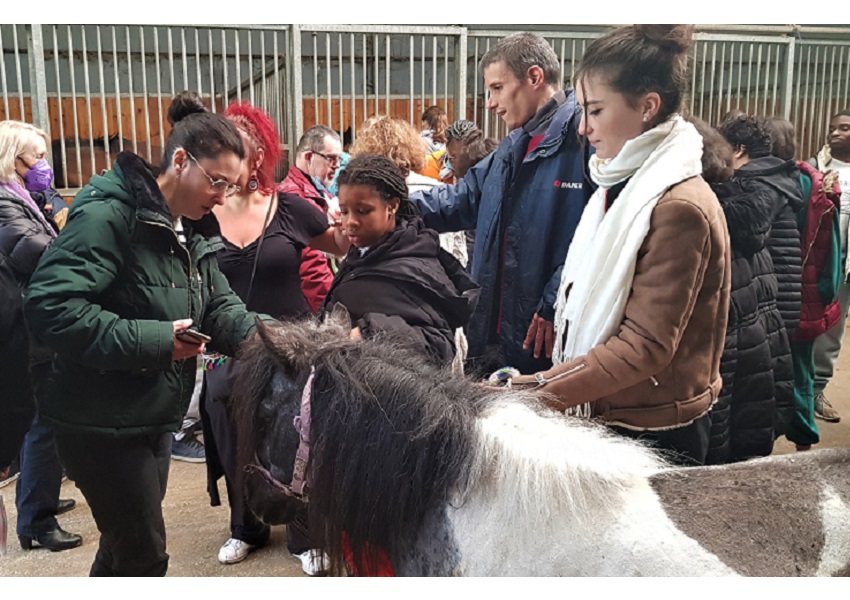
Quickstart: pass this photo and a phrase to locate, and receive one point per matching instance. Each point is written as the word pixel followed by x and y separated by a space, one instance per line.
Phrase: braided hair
pixel 382 174
pixel 460 129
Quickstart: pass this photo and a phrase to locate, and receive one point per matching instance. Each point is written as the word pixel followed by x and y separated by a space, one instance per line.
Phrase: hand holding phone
pixel 192 336
pixel 185 346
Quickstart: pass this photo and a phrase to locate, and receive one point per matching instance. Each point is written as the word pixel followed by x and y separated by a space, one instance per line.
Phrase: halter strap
pixel 302 426
pixel 297 488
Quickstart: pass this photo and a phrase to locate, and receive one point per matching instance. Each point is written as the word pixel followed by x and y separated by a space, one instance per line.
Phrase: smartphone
pixel 192 336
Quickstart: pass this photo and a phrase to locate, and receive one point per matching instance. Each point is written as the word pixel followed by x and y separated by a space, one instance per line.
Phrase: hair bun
pixel 674 38
pixel 185 104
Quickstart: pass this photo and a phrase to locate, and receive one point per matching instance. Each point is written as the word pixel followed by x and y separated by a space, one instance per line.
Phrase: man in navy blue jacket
pixel 524 202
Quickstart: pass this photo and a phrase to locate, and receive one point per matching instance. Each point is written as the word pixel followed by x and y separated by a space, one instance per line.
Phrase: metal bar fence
pixel 821 71
pixel 352 73
pixel 102 89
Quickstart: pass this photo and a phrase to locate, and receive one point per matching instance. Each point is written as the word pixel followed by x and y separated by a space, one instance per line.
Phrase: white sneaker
pixel 234 551
pixel 313 562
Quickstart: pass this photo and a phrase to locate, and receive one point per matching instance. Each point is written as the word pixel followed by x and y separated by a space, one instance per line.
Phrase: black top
pixel 614 192
pixel 277 283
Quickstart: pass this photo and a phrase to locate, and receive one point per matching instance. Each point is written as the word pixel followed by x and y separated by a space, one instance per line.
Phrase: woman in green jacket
pixel 133 267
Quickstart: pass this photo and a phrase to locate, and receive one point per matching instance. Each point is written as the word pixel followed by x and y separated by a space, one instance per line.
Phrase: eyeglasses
pixel 334 160
pixel 218 186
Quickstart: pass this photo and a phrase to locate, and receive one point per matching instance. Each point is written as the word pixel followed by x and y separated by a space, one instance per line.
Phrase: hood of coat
pixel 748 216
pixel 132 181
pixel 780 175
pixel 410 239
pixel 407 254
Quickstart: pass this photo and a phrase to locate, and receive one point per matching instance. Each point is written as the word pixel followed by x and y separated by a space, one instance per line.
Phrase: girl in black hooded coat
pixel 756 402
pixel 396 279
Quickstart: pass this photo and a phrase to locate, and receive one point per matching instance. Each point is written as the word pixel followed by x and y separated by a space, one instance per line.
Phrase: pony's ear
pixel 340 317
pixel 272 341
pixel 289 344
pixel 265 334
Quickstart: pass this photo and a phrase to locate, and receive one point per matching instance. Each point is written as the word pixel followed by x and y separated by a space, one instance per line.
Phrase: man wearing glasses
pixel 316 162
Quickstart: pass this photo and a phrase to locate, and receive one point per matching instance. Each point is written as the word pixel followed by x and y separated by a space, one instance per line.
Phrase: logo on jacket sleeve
pixel 568 185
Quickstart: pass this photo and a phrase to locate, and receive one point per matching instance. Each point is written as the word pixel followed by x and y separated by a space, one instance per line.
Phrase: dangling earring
pixel 253 184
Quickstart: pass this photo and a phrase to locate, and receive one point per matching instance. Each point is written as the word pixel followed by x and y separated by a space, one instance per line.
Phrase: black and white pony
pixel 445 477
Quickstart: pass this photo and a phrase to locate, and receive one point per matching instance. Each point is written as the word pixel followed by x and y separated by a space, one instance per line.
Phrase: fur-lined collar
pixel 139 176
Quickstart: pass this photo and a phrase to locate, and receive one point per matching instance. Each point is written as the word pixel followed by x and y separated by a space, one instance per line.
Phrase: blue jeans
pixel 37 491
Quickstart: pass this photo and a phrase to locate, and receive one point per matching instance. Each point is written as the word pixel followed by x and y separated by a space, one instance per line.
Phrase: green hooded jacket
pixel 104 297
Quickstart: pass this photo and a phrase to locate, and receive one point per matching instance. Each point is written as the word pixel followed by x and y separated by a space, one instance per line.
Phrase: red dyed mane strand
pixel 263 133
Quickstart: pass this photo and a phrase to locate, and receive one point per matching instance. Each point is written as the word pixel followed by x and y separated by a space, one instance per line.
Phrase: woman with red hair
pixel 263 234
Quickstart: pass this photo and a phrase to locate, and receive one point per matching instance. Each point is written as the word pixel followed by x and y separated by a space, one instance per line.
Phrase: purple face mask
pixel 39 177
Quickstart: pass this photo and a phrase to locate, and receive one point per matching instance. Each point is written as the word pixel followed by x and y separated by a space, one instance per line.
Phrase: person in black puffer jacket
pixel 756 169
pixel 17 405
pixel 396 279
pixel 756 401
pixel 26 231
pixel 756 367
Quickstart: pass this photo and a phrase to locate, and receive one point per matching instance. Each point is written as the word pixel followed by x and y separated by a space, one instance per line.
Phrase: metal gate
pixel 821 82
pixel 739 72
pixel 351 73
pixel 101 89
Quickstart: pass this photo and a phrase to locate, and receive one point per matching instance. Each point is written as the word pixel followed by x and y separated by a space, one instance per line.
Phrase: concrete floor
pixel 196 530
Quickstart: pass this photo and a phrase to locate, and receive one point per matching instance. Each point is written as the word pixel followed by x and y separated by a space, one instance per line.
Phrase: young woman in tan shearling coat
pixel 644 296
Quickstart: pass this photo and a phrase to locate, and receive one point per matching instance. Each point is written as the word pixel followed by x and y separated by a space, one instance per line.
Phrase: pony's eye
pixel 265 412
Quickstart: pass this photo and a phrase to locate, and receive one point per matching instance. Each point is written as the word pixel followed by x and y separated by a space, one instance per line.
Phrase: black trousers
pixel 123 481
pixel 220 446
pixel 685 446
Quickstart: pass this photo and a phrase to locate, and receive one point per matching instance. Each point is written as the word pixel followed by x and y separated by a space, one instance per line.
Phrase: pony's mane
pixel 394 439
pixel 378 403
pixel 540 463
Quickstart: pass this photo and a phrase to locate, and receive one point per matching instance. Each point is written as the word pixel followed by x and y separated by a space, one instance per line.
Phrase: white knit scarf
pixel 600 263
